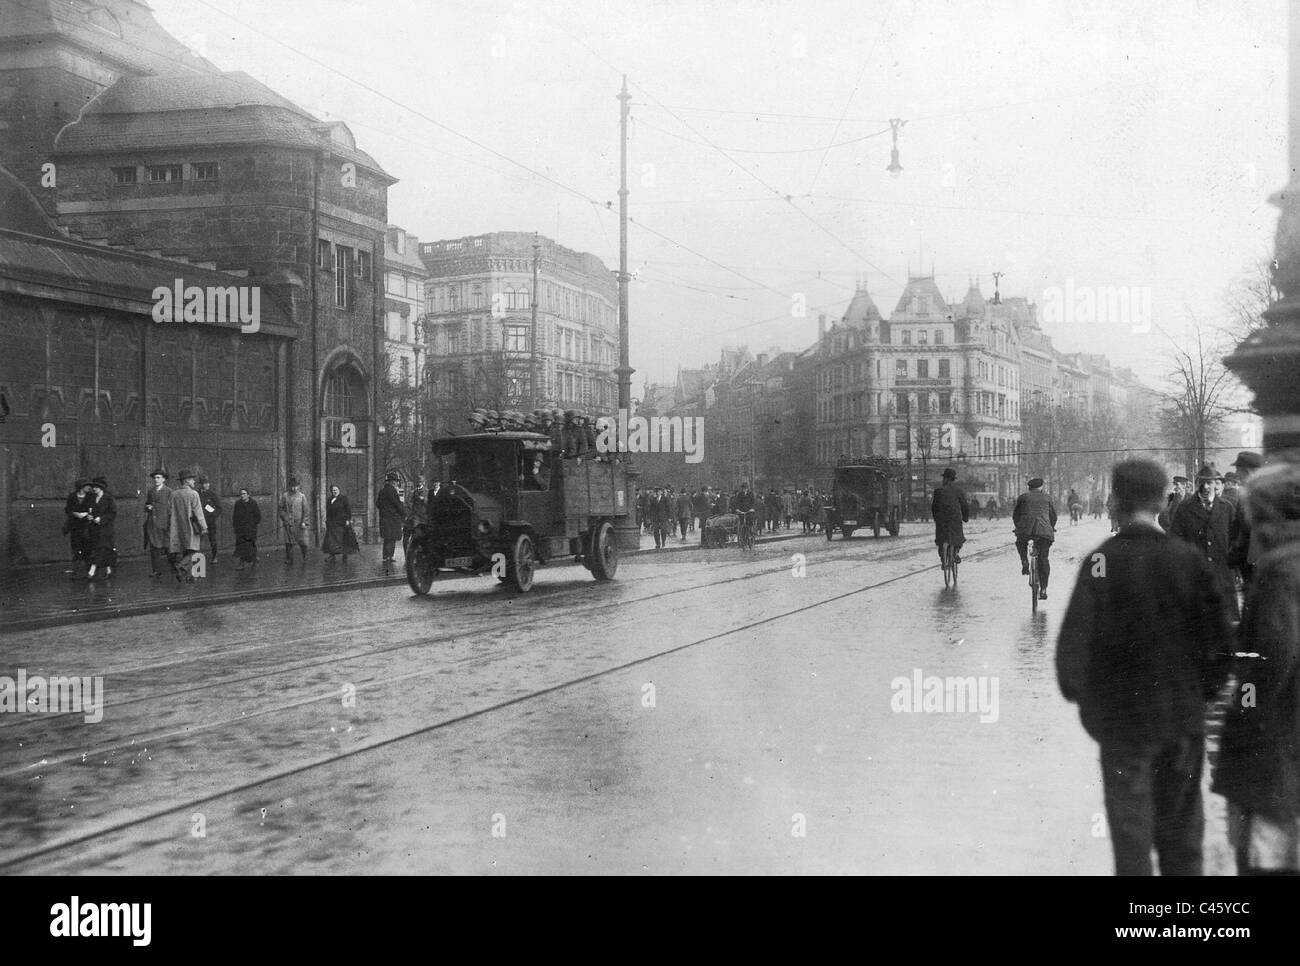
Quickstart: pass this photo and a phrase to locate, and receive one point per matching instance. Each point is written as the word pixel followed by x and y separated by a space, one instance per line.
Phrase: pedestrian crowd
pixel 179 514
pixel 671 513
pixel 1193 603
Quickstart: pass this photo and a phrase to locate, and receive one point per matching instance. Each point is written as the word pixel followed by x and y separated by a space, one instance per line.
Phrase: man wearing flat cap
pixel 1034 517
pixel 1206 522
pixel 294 520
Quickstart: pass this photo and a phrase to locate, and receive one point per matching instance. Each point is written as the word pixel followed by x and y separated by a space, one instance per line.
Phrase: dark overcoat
pixel 1146 639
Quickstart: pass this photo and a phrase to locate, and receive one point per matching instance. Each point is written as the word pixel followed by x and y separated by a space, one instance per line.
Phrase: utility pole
pixel 626 530
pixel 532 334
pixel 625 369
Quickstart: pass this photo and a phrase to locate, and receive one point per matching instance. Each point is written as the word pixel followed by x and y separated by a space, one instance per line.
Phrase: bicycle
pixel 745 530
pixel 949 565
pixel 1033 576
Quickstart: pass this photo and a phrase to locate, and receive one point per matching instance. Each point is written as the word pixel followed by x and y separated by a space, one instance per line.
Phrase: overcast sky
pixel 1081 144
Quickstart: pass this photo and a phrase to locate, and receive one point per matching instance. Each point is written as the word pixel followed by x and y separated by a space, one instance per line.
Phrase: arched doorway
pixel 345 433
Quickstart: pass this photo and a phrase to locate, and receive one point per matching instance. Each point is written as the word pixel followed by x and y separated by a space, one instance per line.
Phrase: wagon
pixel 864 494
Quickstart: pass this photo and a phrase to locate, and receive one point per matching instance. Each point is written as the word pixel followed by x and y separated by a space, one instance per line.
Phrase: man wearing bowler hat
pixel 186 526
pixel 1245 550
pixel 949 510
pixel 392 515
pixel 157 520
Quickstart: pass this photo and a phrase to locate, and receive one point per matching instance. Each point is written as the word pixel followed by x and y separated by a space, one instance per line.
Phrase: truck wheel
pixel 875 523
pixel 421 569
pixel 522 564
pixel 603 556
pixel 893 522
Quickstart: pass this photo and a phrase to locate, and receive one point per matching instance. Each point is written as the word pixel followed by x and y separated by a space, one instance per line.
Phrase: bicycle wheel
pixel 1033 583
pixel 947 565
pixel 955 565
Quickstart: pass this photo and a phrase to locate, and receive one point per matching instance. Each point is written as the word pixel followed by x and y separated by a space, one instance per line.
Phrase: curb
pixel 270 593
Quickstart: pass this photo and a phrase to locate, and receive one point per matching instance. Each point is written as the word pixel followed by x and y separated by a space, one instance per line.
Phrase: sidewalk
pixel 46 596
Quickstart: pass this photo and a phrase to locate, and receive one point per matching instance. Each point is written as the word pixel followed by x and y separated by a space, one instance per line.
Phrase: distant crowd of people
pixel 178 517
pixel 667 512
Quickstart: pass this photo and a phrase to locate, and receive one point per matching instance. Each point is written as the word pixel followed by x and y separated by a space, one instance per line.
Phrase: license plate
pixel 458 562
pixel 851 523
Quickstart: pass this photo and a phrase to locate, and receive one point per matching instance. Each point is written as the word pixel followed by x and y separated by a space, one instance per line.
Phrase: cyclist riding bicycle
pixel 742 504
pixel 950 510
pixel 1035 519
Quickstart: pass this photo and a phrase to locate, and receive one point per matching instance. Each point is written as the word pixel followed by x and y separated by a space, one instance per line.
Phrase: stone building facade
pixel 479 310
pixel 160 153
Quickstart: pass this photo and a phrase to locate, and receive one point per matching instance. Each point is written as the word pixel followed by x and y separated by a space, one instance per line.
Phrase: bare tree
pixel 1248 298
pixel 1196 399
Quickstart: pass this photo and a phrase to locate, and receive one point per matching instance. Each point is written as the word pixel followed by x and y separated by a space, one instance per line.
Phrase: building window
pixel 476 295
pixel 923 368
pixel 901 403
pixel 945 402
pixel 323 260
pixel 164 172
pixel 900 440
pixel 907 337
pixel 453 298
pixel 126 175
pixel 938 336
pixel 517 338
pixel 205 171
pixel 945 369
pixel 365 267
pixel 342 264
pixel 404 365
pixel 923 404
pixel 922 337
pixel 900 369
pixel 342 391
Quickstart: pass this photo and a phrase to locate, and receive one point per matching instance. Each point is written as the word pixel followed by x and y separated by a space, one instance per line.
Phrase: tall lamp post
pixel 418 348
pixel 1268 359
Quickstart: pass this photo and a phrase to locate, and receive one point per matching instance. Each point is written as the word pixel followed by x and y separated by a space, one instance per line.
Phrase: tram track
pixel 140 816
pixel 225 654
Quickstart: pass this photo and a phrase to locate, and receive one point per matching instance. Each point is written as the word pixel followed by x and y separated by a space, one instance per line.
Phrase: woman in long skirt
pixel 339 538
pixel 245 519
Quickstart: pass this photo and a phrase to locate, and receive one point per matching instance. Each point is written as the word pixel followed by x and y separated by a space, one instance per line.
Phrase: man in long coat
pixel 949 510
pixel 392 514
pixel 211 512
pixel 1206 522
pixel 293 519
pixel 186 528
pixel 157 520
